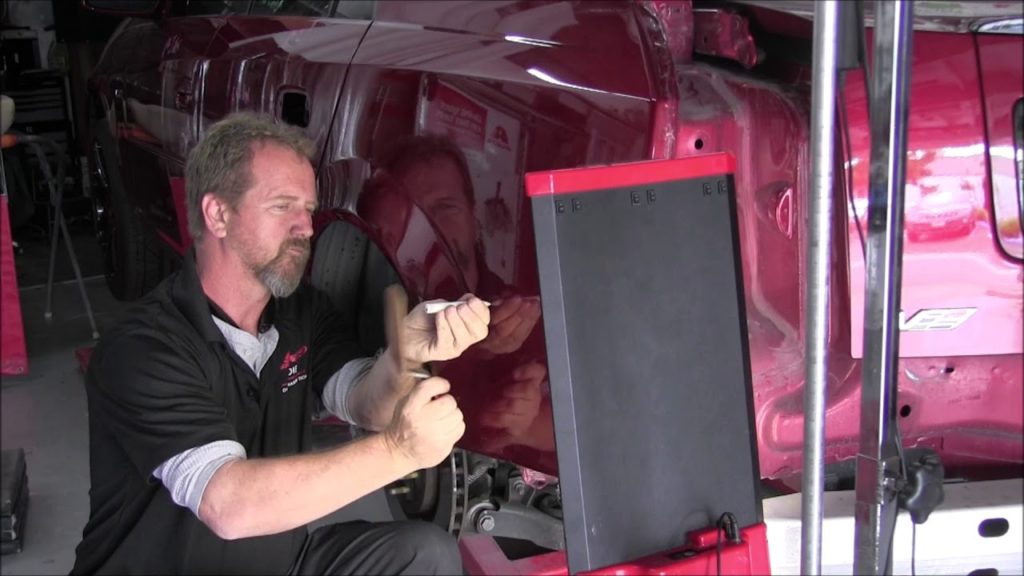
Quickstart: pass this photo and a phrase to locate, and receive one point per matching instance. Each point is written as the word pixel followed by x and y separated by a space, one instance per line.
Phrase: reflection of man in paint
pixel 435 172
pixel 384 205
pixel 431 172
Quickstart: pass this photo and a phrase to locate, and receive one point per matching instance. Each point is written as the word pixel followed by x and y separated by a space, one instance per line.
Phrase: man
pixel 200 402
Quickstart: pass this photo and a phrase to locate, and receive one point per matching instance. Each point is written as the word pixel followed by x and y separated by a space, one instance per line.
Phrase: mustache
pixel 302 244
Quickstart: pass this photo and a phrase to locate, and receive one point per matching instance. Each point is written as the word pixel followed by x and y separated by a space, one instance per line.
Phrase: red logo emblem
pixel 291 358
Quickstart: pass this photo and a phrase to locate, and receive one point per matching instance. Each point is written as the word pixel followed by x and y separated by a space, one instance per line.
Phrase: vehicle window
pixel 216 7
pixel 291 7
pixel 355 9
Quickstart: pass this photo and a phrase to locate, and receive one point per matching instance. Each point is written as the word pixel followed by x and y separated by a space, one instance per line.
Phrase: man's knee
pixel 430 549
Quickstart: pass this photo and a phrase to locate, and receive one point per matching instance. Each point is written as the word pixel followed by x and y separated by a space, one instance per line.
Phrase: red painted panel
pixel 542 97
pixel 629 174
pixel 951 258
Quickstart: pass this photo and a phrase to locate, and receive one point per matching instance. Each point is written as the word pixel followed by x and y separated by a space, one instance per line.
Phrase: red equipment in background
pixel 13 356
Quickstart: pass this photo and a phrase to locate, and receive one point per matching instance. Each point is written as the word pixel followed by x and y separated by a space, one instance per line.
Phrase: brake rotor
pixel 437 495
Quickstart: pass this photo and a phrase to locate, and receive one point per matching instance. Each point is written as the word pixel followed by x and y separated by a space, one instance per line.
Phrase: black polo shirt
pixel 163 381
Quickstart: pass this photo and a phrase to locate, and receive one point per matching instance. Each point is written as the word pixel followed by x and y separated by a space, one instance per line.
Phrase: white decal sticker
pixel 935 319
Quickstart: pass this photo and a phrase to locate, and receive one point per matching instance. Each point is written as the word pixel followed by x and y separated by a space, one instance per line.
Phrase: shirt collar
pixel 188 295
pixel 266 321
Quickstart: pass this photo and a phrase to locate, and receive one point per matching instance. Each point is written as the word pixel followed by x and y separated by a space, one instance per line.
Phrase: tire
pixel 132 256
pixel 353 273
pixel 378 274
pixel 338 267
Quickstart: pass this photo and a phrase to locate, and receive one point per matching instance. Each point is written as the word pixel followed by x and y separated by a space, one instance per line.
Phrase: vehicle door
pixel 151 108
pixel 288 60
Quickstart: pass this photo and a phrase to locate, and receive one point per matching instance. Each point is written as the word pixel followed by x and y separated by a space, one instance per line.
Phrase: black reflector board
pixel 642 297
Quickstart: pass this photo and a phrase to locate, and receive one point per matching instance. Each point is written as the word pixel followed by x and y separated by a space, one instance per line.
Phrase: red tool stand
pixel 649 372
pixel 482 556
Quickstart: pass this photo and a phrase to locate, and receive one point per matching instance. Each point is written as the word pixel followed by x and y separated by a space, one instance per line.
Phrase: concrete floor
pixel 44 412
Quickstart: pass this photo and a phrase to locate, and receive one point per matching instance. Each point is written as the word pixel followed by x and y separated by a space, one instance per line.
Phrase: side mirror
pixel 123 7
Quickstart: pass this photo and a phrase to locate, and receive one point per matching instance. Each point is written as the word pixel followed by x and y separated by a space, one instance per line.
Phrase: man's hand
pixel 518 404
pixel 426 424
pixel 511 323
pixel 446 334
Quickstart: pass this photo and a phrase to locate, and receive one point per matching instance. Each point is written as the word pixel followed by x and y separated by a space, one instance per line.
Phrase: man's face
pixel 271 226
pixel 438 187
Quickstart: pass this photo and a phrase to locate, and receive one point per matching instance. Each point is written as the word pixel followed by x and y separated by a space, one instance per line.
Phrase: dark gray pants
pixel 379 548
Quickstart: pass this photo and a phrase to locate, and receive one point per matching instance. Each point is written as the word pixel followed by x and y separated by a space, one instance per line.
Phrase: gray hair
pixel 221 163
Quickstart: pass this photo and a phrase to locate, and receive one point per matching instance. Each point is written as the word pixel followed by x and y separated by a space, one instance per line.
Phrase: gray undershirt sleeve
pixel 341 384
pixel 187 474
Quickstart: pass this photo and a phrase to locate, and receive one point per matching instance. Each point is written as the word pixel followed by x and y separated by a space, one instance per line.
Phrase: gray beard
pixel 278 276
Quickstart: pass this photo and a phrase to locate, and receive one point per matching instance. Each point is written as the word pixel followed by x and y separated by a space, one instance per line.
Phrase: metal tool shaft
pixel 878 456
pixel 819 252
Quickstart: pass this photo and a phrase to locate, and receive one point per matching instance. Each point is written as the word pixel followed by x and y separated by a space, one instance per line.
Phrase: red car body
pixel 523 86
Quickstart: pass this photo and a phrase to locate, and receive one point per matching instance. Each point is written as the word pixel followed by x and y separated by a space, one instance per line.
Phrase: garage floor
pixel 45 413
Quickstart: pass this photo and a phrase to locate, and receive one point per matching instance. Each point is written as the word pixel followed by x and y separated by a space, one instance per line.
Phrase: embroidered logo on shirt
pixel 293 357
pixel 290 366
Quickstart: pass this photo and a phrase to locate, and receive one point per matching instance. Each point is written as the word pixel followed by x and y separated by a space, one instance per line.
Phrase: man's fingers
pixel 507 323
pixel 474 319
pixel 464 326
pixel 452 424
pixel 441 406
pixel 481 311
pixel 506 309
pixel 457 327
pixel 458 430
pixel 425 391
pixel 521 392
pixel 443 336
pixel 452 417
pixel 530 371
pixel 528 319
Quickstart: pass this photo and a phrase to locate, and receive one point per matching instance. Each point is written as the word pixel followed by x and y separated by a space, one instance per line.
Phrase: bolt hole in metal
pixel 698 144
pixel 948 370
pixel 993 527
pixel 905 411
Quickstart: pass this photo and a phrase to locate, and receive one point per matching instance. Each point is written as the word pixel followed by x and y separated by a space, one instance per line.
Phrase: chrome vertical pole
pixel 878 456
pixel 819 258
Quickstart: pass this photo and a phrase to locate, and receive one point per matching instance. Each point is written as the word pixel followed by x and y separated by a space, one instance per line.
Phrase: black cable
pixel 844 131
pixel 726 523
pixel 862 54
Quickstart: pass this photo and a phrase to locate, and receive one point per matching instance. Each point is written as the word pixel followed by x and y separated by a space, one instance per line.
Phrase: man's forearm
pixel 257 497
pixel 372 401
